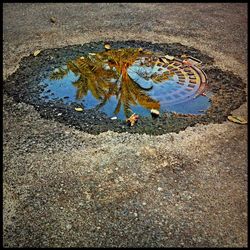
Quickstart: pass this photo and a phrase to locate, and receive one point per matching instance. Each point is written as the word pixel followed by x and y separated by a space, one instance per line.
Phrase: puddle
pixel 120 82
pixel 171 78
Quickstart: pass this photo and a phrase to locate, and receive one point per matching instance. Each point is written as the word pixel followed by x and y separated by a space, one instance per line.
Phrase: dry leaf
pixel 107 46
pixel 52 19
pixel 78 109
pixel 155 112
pixel 237 119
pixel 132 119
pixel 37 52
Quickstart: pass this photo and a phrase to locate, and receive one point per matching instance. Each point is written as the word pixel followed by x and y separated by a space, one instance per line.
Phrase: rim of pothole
pixel 228 90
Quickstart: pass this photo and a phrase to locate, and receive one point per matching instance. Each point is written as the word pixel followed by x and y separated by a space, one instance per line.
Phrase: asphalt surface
pixel 64 188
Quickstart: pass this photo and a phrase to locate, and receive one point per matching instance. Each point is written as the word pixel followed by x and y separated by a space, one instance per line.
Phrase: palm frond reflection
pixel 105 75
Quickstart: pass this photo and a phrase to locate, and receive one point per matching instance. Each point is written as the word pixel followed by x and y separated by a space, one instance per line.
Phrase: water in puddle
pixel 122 82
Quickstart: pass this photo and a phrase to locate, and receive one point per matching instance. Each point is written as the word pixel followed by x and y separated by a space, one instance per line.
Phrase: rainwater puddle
pixel 126 81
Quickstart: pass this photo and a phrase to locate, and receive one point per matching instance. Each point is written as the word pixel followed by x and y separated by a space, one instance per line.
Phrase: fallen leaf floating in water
pixel 237 119
pixel 37 52
pixel 132 119
pixel 78 109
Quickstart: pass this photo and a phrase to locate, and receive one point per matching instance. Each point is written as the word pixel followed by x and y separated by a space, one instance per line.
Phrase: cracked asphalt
pixel 66 188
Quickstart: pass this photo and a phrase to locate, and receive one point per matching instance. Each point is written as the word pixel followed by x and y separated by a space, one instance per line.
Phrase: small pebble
pixel 120 178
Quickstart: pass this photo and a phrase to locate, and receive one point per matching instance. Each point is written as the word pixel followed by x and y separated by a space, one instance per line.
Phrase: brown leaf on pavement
pixel 237 119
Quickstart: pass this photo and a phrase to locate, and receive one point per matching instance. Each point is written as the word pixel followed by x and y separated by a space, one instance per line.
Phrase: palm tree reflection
pixel 105 74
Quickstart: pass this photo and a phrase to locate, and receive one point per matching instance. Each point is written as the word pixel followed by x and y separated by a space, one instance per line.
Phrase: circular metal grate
pixel 186 80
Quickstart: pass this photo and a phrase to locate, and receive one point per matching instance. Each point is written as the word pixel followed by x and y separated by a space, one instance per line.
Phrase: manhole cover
pixel 111 84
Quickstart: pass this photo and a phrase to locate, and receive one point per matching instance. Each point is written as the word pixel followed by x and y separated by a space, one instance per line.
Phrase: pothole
pixel 111 83
pixel 121 82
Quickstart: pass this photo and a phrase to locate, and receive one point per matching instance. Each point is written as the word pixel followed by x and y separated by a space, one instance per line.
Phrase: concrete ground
pixel 64 188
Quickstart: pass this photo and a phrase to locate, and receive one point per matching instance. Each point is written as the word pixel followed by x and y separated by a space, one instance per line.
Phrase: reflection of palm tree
pixel 94 77
pixel 59 73
pixel 131 94
pixel 82 88
pixel 157 78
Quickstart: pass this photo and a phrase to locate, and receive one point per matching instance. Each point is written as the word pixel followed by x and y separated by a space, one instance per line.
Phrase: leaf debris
pixel 37 52
pixel 132 119
pixel 237 119
pixel 52 19
pixel 78 109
